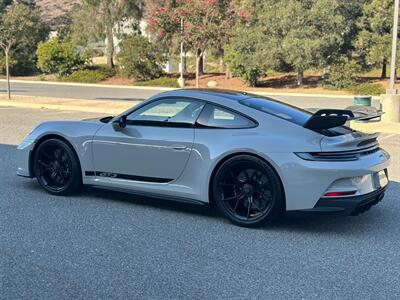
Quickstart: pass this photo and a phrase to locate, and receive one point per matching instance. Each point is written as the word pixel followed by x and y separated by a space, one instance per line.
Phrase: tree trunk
pixel 221 64
pixel 198 61
pixel 201 64
pixel 8 74
pixel 384 68
pixel 300 77
pixel 325 73
pixel 228 74
pixel 184 62
pixel 110 46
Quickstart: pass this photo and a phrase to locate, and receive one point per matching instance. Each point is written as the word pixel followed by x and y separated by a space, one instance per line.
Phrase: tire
pixel 248 191
pixel 57 167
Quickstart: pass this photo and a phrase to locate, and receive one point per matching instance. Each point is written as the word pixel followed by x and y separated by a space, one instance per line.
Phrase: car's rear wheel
pixel 57 168
pixel 248 191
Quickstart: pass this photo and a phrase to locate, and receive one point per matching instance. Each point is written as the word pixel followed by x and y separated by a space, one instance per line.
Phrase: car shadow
pixel 308 223
pixel 171 205
pixel 372 220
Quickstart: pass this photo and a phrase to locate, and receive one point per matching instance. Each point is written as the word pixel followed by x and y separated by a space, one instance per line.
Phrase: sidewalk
pixel 116 107
pixel 94 106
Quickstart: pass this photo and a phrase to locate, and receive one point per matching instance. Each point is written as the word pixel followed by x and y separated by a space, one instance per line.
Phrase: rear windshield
pixel 278 109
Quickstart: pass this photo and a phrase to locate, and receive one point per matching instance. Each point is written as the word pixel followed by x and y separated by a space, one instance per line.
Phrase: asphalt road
pixel 107 245
pixel 115 93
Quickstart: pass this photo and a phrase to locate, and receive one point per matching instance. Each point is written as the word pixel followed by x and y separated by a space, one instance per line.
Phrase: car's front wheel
pixel 57 168
pixel 248 191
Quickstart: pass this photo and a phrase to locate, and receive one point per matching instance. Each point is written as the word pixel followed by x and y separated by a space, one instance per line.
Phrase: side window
pixel 216 117
pixel 167 112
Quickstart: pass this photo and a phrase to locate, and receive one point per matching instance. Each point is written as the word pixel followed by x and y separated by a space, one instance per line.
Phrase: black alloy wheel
pixel 248 191
pixel 57 168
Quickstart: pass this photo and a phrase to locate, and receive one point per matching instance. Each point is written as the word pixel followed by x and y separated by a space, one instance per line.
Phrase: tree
pixel 19 24
pixel 248 53
pixel 206 22
pixel 351 12
pixel 101 18
pixel 301 34
pixel 23 61
pixel 374 39
pixel 313 33
pixel 245 57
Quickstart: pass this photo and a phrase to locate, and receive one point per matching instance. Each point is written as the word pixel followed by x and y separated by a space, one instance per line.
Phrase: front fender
pixel 78 134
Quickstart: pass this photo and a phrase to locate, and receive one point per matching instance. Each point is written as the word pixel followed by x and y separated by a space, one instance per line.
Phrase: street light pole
pixel 392 84
pixel 181 80
pixel 390 102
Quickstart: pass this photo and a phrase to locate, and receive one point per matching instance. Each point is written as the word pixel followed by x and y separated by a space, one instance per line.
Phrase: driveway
pixel 108 245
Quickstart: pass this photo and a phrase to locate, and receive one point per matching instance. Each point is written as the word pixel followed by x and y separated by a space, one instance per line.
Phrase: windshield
pixel 278 109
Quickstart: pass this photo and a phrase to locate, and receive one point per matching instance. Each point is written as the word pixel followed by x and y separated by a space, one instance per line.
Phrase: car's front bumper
pixel 347 205
pixel 23 158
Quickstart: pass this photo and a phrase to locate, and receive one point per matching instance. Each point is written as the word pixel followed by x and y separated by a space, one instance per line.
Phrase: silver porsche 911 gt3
pixel 253 157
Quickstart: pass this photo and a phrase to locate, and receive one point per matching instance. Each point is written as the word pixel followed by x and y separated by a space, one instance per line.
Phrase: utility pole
pixel 391 100
pixel 181 80
pixel 392 84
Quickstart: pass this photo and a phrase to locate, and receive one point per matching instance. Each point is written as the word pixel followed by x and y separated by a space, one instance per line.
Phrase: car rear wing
pixel 330 118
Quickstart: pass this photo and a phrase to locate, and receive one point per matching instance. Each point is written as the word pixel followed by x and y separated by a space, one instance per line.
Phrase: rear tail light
pixel 327 156
pixel 340 194
pixel 338 155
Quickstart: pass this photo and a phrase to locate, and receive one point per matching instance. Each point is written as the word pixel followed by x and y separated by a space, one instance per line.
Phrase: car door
pixel 153 147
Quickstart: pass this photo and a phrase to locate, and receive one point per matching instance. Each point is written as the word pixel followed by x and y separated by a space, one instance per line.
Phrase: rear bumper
pixel 306 182
pixel 347 205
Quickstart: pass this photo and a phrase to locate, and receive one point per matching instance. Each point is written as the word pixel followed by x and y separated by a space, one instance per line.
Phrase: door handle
pixel 178 147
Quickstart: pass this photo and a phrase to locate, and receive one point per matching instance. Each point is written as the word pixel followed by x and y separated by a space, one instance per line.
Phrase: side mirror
pixel 119 123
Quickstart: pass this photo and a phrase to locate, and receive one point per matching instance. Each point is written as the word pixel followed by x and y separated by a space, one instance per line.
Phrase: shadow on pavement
pixel 14 91
pixel 365 223
pixel 171 205
pixel 120 99
pixel 374 220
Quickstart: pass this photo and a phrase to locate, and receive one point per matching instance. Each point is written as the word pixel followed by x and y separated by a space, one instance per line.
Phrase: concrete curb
pixel 171 89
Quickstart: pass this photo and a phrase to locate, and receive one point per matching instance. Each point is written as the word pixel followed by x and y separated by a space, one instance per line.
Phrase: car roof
pixel 227 94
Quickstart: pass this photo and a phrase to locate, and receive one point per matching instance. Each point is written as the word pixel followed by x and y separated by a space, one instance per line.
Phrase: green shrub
pixel 372 89
pixel 59 57
pixel 140 59
pixel 104 69
pixel 342 74
pixel 85 76
pixel 42 77
pixel 162 82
